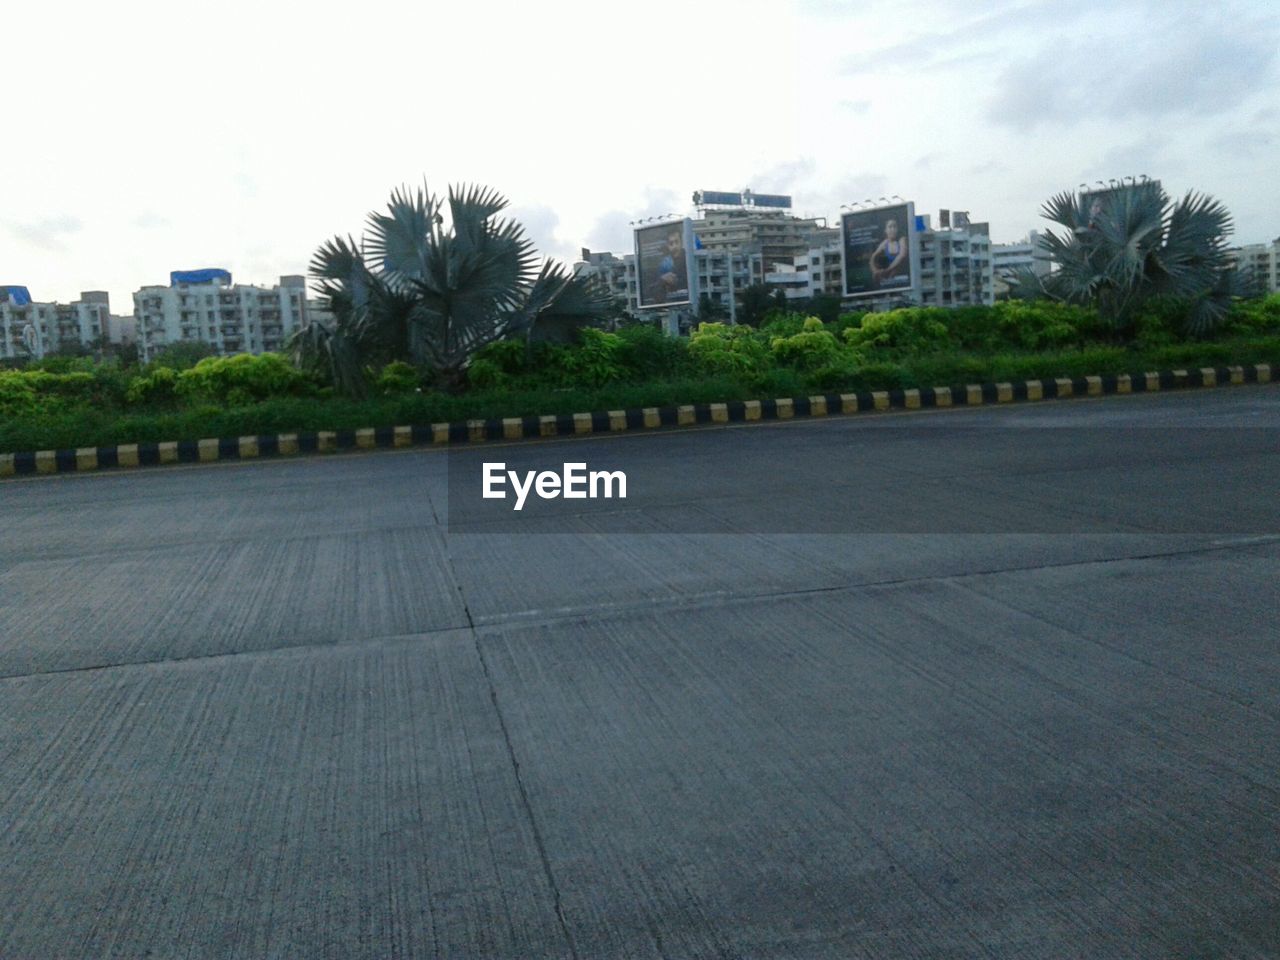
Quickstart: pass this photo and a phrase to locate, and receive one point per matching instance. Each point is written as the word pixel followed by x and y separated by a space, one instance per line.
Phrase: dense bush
pixel 65 401
pixel 596 359
pixel 243 378
pixel 720 349
pixel 813 348
pixel 396 378
pixel 157 387
pixel 648 353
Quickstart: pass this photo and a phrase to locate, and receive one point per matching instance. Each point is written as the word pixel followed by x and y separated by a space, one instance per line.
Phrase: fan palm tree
pixel 1126 247
pixel 433 292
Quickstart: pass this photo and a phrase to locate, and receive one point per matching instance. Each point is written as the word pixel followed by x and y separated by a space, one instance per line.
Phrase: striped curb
pixel 613 421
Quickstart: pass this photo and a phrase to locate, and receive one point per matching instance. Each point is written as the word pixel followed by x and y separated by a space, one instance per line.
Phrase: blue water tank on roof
pixel 199 276
pixel 18 296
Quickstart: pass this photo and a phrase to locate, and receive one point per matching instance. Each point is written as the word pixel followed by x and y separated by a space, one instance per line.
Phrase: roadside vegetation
pixel 69 402
pixel 441 312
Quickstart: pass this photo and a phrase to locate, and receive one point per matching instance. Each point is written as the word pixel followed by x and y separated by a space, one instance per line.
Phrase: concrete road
pixel 285 709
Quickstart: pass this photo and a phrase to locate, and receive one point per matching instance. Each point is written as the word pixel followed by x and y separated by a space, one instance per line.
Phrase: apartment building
pixel 776 235
pixel 206 306
pixel 1009 259
pixel 956 265
pixel 1260 262
pixel 817 271
pixel 956 269
pixel 712 269
pixel 31 329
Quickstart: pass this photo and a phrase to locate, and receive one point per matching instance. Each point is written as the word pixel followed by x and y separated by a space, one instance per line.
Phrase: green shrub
pixel 835 376
pixel 649 353
pixel 720 349
pixel 777 382
pixel 183 355
pixel 485 374
pixel 157 387
pixel 509 357
pixel 397 378
pixel 783 325
pixel 239 379
pixel 880 375
pixel 810 349
pixel 1255 316
pixel 596 359
pixel 17 394
pixel 910 330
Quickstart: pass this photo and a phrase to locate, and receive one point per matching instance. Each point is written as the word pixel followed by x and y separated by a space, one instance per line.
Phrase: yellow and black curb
pixel 612 421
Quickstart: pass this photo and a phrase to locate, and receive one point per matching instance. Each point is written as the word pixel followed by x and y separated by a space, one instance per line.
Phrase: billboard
pixel 717 198
pixel 877 250
pixel 771 200
pixel 664 256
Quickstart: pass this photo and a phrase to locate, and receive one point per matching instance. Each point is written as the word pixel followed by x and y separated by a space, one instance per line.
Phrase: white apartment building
pixel 205 306
pixel 1009 259
pixel 956 267
pixel 818 271
pixel 1261 262
pixel 34 330
pixel 956 270
pixel 711 267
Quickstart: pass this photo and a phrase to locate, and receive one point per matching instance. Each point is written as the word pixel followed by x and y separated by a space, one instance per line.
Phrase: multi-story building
pixel 955 270
pixel 31 329
pixel 1260 263
pixel 205 306
pixel 956 267
pixel 776 235
pixel 1009 259
pixel 711 267
pixel 818 271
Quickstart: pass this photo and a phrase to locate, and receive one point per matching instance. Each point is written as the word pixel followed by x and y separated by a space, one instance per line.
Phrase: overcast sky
pixel 141 137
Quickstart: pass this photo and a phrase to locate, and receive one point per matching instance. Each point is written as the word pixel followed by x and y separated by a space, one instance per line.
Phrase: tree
pixel 754 302
pixel 183 355
pixel 1132 245
pixel 709 311
pixel 432 293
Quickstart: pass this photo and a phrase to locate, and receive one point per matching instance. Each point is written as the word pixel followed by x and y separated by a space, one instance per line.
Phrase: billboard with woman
pixel 877 250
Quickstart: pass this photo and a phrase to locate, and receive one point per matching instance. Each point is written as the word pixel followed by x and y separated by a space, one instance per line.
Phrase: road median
pixel 477 431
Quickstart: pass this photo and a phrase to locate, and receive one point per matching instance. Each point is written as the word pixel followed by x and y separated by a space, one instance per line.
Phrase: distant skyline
pixel 151 137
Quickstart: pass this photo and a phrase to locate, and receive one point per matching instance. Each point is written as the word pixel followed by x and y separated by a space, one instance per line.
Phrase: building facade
pixel 956 267
pixel 1260 263
pixel 29 329
pixel 206 307
pixel 1009 259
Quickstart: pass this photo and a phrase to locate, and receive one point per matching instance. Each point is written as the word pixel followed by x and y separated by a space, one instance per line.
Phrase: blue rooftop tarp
pixel 18 296
pixel 198 276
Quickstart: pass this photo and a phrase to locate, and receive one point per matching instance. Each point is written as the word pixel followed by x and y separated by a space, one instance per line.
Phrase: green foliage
pixel 782 324
pixel 596 359
pixel 444 277
pixel 397 377
pixel 649 353
pixel 17 394
pixel 1123 248
pixel 183 355
pixel 243 378
pixel 896 332
pixel 719 349
pixel 157 387
pixel 813 348
pixel 1255 317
